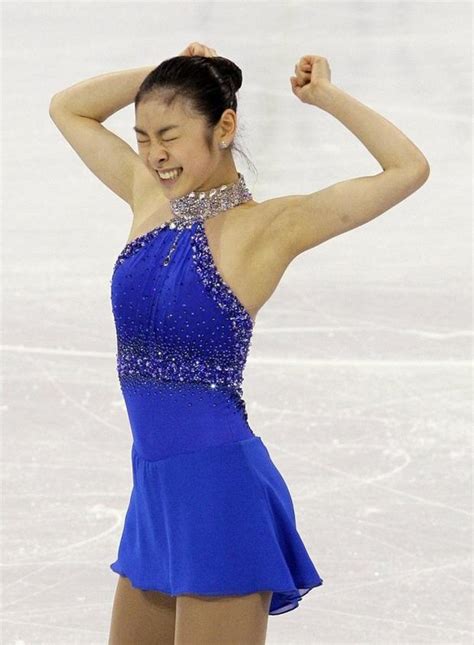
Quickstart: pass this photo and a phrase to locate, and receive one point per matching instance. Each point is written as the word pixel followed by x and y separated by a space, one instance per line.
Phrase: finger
pixel 302 77
pixel 302 69
pixel 294 85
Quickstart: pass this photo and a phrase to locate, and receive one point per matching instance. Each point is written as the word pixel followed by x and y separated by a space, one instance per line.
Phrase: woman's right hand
pixel 197 49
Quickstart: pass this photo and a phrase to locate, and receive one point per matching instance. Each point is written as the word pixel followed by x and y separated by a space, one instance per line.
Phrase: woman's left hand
pixel 198 49
pixel 312 74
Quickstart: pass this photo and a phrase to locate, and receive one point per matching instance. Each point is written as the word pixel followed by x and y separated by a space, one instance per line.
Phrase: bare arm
pixel 100 96
pixel 383 140
pixel 78 112
pixel 304 221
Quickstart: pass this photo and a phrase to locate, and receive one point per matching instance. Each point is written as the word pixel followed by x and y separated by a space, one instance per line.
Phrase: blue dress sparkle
pixel 209 513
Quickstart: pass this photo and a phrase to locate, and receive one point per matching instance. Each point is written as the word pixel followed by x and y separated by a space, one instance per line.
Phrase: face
pixel 183 146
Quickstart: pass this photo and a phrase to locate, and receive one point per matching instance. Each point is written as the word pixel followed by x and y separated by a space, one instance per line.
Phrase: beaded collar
pixel 204 204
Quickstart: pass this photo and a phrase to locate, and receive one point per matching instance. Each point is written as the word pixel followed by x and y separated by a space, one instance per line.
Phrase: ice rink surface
pixel 359 376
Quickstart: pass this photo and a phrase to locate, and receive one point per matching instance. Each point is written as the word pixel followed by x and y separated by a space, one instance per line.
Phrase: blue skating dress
pixel 209 513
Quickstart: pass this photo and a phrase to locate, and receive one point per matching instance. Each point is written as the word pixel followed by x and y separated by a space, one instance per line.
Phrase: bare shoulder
pixel 264 215
pixel 269 223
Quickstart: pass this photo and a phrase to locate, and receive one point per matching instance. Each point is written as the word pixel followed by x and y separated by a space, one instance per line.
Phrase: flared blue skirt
pixel 217 521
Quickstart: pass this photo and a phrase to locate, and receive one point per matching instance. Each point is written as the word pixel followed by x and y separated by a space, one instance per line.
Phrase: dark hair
pixel 209 84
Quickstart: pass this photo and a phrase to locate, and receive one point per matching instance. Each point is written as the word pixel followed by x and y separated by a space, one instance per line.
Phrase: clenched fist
pixel 312 74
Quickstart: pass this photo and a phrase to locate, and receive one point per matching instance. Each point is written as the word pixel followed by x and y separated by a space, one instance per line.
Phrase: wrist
pixel 325 94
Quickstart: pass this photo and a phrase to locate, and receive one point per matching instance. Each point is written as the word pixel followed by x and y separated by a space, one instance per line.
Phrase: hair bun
pixel 228 71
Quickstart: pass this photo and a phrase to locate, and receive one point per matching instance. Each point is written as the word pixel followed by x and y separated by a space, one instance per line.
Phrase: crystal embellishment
pixel 209 203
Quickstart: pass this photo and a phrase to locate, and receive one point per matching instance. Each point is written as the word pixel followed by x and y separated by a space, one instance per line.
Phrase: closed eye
pixel 164 140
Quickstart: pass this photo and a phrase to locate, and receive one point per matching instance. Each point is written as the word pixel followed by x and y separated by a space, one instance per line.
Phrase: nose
pixel 157 156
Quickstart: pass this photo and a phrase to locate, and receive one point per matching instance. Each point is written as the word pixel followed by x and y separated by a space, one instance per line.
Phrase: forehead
pixel 155 115
pixel 153 106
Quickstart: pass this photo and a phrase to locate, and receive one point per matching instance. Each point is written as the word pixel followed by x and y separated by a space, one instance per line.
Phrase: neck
pixel 226 177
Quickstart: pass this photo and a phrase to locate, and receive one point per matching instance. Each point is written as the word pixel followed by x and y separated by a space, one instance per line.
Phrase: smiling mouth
pixel 170 179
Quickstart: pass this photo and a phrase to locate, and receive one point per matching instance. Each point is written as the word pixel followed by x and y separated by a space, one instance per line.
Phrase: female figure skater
pixel 209 547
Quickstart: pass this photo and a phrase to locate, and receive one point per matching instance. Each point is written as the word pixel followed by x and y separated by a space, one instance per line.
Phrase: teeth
pixel 169 175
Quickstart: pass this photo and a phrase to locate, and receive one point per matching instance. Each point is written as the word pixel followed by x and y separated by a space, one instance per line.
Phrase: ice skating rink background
pixel 359 375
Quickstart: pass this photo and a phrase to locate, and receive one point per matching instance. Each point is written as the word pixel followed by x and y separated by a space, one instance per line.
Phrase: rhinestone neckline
pixel 204 204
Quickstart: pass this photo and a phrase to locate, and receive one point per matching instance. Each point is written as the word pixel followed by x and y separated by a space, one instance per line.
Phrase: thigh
pixel 219 620
pixel 145 617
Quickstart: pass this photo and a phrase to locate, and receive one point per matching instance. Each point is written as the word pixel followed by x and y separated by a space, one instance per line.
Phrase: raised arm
pixel 78 112
pixel 304 221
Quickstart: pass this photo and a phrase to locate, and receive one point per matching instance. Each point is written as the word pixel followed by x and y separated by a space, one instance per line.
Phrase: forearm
pixel 382 139
pixel 100 96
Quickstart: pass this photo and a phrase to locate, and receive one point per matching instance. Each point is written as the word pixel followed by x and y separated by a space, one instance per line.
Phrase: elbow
pixel 57 101
pixel 424 172
pixel 53 104
pixel 419 171
pixel 423 168
pixel 419 175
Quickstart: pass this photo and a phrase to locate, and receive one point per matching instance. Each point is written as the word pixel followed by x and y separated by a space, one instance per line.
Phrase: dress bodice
pixel 177 321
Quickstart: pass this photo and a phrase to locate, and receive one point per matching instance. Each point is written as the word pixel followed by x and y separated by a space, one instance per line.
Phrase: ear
pixel 228 122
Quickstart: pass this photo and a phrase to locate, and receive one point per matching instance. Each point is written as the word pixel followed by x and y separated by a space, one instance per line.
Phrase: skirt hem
pixel 290 602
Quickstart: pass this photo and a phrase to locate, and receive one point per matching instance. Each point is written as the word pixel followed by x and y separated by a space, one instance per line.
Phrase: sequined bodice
pixel 177 320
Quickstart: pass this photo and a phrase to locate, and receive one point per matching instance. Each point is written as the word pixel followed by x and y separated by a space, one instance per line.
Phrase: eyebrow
pixel 157 132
